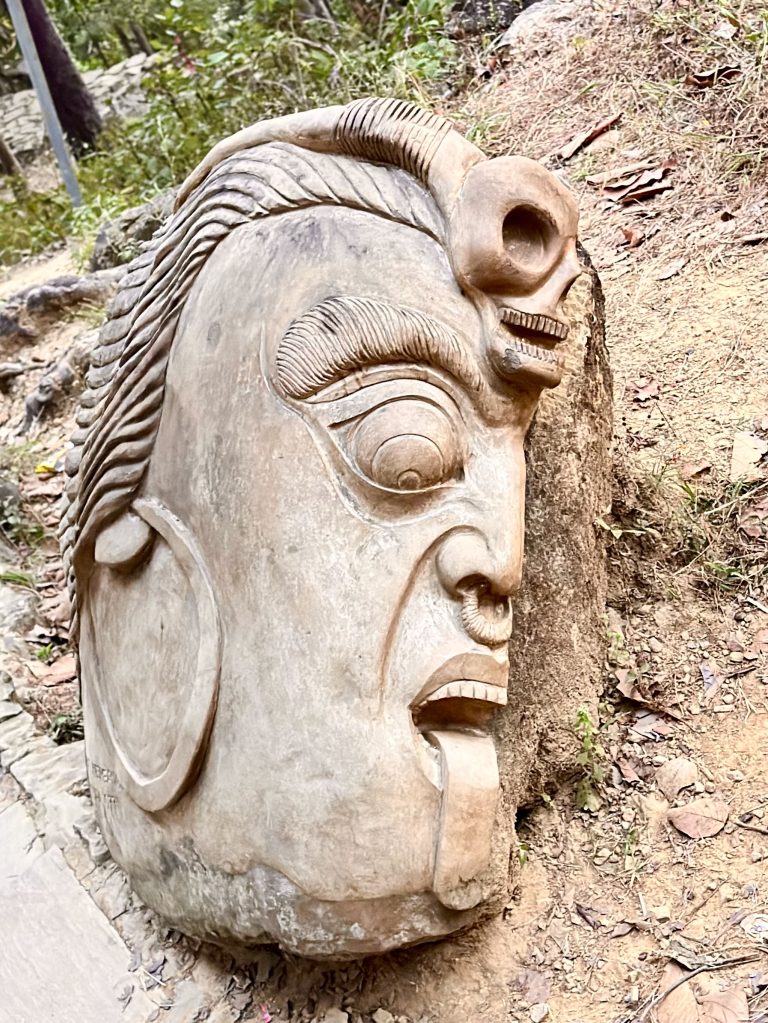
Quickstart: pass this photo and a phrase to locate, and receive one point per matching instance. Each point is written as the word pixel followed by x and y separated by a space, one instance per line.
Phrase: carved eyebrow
pixel 344 334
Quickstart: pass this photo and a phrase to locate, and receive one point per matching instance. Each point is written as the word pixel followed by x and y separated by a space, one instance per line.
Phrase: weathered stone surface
pixel 87 828
pixel 547 25
pixel 20 844
pixel 355 639
pixel 9 709
pixel 17 609
pixel 61 959
pixel 16 731
pixel 558 646
pixel 56 817
pixel 47 771
pixel 10 791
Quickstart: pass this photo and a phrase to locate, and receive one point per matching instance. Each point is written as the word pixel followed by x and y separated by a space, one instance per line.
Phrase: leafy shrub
pixel 265 62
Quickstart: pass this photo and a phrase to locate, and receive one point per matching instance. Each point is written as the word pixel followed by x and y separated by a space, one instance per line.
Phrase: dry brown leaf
pixel 676 775
pixel 753 520
pixel 649 725
pixel 63 670
pixel 748 450
pixel 680 1005
pixel 644 388
pixel 620 175
pixel 706 79
pixel 632 238
pixel 701 818
pixel 728 1006
pixel 572 147
pixel 691 469
pixel 628 769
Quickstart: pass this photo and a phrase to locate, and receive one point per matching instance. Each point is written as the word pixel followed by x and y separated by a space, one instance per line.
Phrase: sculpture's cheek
pixel 150 659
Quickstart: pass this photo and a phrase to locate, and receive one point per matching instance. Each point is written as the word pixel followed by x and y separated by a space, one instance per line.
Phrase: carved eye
pixel 406 445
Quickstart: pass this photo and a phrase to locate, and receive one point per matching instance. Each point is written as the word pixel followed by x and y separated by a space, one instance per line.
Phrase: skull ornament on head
pixel 295 520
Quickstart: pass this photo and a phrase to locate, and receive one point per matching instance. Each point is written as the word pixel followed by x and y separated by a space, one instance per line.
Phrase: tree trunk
pixel 125 42
pixel 141 38
pixel 8 162
pixel 77 111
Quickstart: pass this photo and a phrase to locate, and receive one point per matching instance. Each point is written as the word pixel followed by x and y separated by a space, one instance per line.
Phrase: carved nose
pixel 467 561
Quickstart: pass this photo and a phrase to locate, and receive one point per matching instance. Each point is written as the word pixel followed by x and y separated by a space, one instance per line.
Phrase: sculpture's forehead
pixel 273 269
pixel 267 274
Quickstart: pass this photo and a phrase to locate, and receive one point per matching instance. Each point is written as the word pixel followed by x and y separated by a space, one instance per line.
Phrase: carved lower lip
pixel 536 323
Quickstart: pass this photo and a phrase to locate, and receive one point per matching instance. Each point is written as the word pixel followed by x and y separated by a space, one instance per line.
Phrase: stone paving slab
pixel 61 961
pixel 46 771
pixel 20 844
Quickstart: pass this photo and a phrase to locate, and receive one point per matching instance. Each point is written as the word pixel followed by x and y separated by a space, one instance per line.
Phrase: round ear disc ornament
pixel 152 630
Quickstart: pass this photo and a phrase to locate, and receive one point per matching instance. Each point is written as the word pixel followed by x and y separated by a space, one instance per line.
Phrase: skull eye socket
pixel 528 237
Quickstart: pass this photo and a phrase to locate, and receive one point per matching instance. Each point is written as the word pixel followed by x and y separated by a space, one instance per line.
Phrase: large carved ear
pixel 150 652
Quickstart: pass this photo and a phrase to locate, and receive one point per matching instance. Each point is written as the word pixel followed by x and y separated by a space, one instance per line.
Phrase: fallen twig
pixel 751 827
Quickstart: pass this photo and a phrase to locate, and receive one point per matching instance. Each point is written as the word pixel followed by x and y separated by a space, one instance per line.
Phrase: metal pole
pixel 40 82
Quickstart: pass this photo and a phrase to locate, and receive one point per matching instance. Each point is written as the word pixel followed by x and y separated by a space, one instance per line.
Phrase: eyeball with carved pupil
pixel 406 445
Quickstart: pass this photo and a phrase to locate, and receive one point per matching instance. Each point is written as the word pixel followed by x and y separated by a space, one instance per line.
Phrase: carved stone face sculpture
pixel 295 522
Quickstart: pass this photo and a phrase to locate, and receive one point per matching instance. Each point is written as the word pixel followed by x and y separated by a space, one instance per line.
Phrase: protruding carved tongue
pixel 470 776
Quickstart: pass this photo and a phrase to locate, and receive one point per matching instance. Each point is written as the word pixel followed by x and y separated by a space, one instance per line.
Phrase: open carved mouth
pixel 451 715
pixel 461 704
pixel 447 702
pixel 532 355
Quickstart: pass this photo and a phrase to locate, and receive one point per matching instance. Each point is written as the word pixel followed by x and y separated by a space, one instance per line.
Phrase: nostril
pixel 477 582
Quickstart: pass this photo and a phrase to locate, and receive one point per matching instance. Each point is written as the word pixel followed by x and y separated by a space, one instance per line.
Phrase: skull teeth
pixel 537 323
pixel 533 351
pixel 469 691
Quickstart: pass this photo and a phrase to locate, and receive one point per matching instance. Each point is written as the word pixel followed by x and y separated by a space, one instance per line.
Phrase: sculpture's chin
pixel 263 907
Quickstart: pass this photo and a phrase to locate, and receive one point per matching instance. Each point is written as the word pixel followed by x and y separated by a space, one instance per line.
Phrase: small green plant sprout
pixel 640 528
pixel 45 653
pixel 589 759
pixel 522 853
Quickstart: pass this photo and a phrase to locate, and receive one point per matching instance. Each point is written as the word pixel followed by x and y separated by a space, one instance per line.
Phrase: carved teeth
pixel 533 351
pixel 469 691
pixel 537 323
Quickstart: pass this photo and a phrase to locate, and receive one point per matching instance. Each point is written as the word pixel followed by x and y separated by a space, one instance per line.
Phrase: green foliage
pixel 14 578
pixel 223 66
pixel 45 653
pixel 66 728
pixel 589 759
